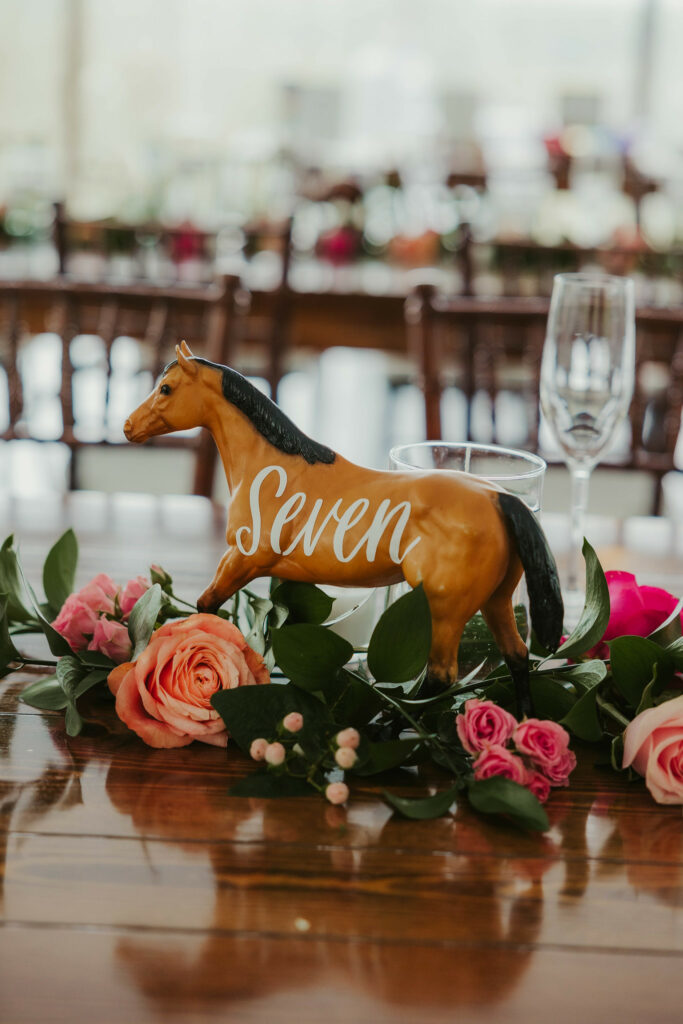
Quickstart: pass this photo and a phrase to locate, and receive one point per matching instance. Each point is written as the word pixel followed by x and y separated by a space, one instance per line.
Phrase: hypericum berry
pixel 258 749
pixel 275 754
pixel 293 722
pixel 348 738
pixel 337 792
pixel 345 757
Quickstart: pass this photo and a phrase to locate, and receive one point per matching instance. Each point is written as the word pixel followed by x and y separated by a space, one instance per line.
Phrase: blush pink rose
pixel 131 593
pixel 111 638
pixel 653 746
pixel 99 594
pixel 546 744
pixel 484 723
pixel 165 694
pixel 634 610
pixel 76 622
pixel 498 760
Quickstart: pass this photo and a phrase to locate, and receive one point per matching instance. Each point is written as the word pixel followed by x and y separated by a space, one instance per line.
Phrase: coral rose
pixel 165 695
pixel 498 760
pixel 653 746
pixel 482 724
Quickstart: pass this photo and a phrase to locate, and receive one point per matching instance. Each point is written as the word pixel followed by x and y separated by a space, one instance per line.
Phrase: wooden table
pixel 136 890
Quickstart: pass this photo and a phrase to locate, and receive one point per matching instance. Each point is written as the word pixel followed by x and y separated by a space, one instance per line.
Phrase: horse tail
pixel 542 581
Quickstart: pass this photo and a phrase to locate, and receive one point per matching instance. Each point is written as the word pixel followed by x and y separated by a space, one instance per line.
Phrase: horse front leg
pixel 233 572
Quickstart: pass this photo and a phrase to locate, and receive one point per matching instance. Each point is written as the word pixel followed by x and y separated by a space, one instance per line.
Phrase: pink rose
pixel 165 694
pixel 131 593
pixel 653 746
pixel 634 610
pixel 99 594
pixel 539 786
pixel 111 638
pixel 482 724
pixel 546 744
pixel 76 622
pixel 498 760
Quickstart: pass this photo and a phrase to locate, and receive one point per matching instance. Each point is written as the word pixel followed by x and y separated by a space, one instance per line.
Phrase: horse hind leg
pixel 499 615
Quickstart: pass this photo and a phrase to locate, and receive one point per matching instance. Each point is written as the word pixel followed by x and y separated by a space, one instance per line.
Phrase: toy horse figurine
pixel 299 511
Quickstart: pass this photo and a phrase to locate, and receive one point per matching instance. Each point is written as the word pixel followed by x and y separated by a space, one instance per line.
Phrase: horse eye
pixel 164 390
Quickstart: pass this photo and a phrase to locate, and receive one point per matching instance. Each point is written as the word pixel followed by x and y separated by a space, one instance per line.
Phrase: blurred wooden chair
pixel 493 346
pixel 94 318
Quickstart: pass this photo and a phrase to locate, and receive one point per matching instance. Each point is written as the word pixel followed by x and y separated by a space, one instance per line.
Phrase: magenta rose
pixel 131 593
pixel 498 760
pixel 634 610
pixel 653 746
pixel 111 638
pixel 482 724
pixel 546 744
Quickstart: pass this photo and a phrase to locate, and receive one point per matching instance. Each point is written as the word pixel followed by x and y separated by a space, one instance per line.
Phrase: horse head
pixel 178 402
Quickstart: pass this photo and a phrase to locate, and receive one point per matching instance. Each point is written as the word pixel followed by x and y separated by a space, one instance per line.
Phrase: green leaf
pixel 69 674
pixel 401 640
pixel 270 785
pixel 550 697
pixel 422 808
pixel 55 641
pixel 251 712
pixel 304 601
pixel 93 678
pixel 259 607
pixel 143 618
pixel 357 702
pixel 675 652
pixel 582 719
pixel 477 645
pixel 617 752
pixel 633 660
pixel 159 575
pixel 595 616
pixel 498 795
pixel 45 694
pixel 11 584
pixel 73 721
pixel 382 757
pixel 59 570
pixel 311 655
pixel 96 660
pixel 585 675
pixel 8 652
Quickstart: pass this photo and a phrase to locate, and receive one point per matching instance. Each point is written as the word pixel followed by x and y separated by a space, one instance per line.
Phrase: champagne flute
pixel 587 376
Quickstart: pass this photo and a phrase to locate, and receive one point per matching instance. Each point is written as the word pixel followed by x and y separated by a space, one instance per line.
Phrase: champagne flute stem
pixel 580 480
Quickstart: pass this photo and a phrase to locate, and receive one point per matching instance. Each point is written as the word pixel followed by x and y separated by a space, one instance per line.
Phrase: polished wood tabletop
pixel 135 890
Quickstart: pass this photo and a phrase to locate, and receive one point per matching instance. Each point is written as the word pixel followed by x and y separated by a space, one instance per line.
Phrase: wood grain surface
pixel 135 890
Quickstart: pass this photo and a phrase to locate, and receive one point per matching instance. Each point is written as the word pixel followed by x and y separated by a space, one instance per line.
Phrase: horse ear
pixel 188 365
pixel 185 348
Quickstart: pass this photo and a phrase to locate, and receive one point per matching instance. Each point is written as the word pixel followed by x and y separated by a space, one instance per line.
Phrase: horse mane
pixel 266 416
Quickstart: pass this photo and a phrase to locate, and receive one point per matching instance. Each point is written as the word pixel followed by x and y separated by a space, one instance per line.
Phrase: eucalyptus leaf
pixel 59 571
pixel 382 757
pixel 268 784
pixel 498 795
pixel 633 660
pixel 401 640
pixel 46 694
pixel 304 601
pixel 422 808
pixel 595 616
pixel 142 619
pixel 70 671
pixel 311 655
pixel 259 607
pixel 73 721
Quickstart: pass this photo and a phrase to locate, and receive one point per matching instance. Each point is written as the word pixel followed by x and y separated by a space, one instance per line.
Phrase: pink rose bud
pixel 539 786
pixel 348 738
pixel 131 593
pixel 653 746
pixel 345 757
pixel 274 754
pixel 293 722
pixel 482 724
pixel 498 760
pixel 542 741
pixel 111 638
pixel 76 622
pixel 258 748
pixel 337 792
